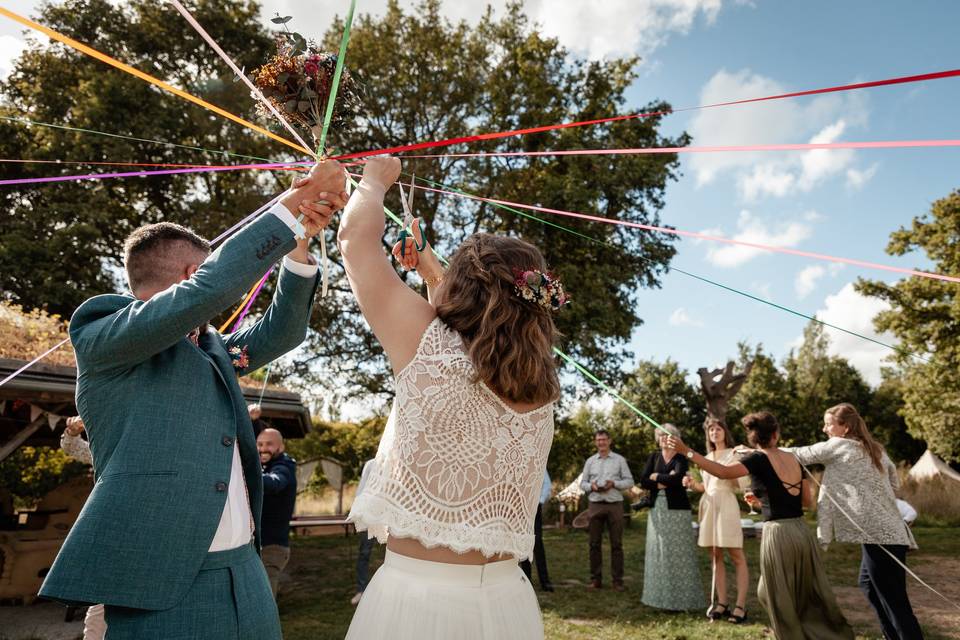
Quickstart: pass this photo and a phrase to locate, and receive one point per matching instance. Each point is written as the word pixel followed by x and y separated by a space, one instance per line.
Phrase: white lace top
pixel 456 466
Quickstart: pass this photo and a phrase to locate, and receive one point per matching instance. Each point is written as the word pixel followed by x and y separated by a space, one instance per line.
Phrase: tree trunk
pixel 719 392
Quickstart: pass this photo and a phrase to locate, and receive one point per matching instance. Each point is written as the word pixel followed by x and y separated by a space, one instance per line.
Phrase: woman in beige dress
pixel 720 523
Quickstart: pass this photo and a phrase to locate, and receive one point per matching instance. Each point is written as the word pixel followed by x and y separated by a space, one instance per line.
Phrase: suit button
pixel 221 486
pixel 227 441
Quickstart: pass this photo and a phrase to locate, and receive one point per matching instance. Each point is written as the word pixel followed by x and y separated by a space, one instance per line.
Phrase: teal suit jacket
pixel 162 416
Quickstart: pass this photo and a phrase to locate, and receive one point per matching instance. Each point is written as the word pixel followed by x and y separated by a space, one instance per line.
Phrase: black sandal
pixel 735 619
pixel 714 612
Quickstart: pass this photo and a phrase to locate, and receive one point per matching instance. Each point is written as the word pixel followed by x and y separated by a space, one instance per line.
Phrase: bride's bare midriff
pixel 413 549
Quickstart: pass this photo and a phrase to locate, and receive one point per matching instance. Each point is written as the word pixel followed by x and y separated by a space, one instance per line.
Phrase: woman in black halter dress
pixel 793 583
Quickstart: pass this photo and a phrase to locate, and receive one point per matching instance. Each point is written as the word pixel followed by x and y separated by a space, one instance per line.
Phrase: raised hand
pixel 677 445
pixel 317 196
pixel 318 214
pixel 74 425
pixel 382 170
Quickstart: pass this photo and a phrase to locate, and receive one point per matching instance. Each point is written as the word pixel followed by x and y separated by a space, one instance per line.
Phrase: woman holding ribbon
pixel 459 469
pixel 793 582
pixel 857 505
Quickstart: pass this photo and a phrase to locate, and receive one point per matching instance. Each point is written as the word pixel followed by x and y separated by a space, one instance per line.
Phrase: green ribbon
pixel 337 72
pixel 900 350
pixel 117 135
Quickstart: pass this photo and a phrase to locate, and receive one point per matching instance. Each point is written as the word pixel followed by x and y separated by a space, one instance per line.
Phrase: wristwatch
pixel 690 454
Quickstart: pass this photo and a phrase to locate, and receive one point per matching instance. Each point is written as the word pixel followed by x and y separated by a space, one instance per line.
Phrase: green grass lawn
pixel 314 603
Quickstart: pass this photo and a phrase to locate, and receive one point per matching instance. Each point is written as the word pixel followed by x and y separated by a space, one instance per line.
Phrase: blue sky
pixel 796 46
pixel 837 202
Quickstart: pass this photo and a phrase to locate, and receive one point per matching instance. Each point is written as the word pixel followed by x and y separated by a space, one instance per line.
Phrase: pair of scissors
pixel 408 220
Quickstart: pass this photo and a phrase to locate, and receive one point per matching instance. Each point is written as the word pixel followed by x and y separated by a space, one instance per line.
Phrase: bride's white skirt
pixel 411 599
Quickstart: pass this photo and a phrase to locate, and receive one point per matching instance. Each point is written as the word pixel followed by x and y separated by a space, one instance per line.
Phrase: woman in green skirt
pixel 671 573
pixel 793 583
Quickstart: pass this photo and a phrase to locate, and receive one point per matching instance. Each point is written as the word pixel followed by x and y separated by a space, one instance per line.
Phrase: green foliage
pixel 573 442
pixel 766 389
pixel 349 443
pixel 924 314
pixel 818 381
pixel 887 424
pixel 62 242
pixel 662 391
pixel 32 472
pixel 425 78
pixel 428 79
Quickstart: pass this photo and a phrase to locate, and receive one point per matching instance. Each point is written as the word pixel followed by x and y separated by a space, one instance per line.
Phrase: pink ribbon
pixel 880 144
pixel 702 236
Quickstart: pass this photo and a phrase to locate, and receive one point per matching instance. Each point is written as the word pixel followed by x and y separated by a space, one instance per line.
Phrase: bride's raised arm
pixel 396 313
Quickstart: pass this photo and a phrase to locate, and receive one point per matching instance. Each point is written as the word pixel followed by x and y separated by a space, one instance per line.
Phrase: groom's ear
pixel 190 270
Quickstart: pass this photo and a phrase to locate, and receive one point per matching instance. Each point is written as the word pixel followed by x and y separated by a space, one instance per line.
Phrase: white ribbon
pixel 299 229
pixel 866 536
pixel 230 63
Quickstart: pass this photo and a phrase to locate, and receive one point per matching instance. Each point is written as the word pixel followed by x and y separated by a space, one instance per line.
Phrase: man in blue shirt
pixel 605 476
pixel 279 498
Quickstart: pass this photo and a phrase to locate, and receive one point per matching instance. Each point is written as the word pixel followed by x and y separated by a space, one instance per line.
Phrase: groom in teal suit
pixel 169 538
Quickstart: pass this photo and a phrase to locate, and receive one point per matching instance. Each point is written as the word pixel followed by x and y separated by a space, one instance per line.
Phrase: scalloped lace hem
pixel 382 519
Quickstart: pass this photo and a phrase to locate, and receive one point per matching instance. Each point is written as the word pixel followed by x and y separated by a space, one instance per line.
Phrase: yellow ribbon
pixel 240 308
pixel 79 46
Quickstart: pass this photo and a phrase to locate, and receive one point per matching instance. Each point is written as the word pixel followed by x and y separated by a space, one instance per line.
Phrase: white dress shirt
pixel 236 521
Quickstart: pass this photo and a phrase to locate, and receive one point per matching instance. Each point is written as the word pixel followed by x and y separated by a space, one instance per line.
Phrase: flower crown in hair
pixel 543 288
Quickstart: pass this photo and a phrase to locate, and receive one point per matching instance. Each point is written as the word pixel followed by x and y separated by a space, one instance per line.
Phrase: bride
pixel 458 472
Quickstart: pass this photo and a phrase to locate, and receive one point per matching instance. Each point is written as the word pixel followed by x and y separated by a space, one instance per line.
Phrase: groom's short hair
pixel 155 254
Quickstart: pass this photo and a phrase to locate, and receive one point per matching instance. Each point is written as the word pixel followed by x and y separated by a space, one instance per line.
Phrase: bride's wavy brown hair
pixel 509 339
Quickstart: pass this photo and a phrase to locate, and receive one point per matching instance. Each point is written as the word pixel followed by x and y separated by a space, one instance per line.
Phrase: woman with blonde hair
pixel 720 528
pixel 857 505
pixel 460 465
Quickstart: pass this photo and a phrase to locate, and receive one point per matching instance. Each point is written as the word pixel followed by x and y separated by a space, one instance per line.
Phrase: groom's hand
pixel 318 213
pixel 317 196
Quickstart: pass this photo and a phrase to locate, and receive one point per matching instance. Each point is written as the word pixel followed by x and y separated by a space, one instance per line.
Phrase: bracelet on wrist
pixel 433 281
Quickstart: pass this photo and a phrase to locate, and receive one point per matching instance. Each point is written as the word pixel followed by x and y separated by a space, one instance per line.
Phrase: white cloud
pixel 680 318
pixel 592 29
pixel 854 312
pixel 755 230
pixel 856 178
pixel 10 49
pixel 619 27
pixel 820 120
pixel 806 280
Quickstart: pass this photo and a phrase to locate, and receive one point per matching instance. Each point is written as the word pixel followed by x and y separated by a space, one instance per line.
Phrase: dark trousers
pixel 539 555
pixel 363 560
pixel 611 515
pixel 884 582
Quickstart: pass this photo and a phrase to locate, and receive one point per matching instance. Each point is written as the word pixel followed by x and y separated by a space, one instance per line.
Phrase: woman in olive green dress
pixel 793 583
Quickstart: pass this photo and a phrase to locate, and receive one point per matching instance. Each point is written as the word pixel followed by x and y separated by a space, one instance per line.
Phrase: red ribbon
pixel 567 125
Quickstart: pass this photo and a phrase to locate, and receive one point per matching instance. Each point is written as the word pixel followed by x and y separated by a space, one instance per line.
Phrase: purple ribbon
pixel 253 297
pixel 145 174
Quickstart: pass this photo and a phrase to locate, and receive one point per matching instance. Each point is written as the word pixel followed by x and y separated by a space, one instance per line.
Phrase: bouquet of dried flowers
pixel 298 80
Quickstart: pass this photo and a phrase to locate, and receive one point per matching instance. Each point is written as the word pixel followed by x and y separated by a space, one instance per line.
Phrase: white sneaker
pixel 355 600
